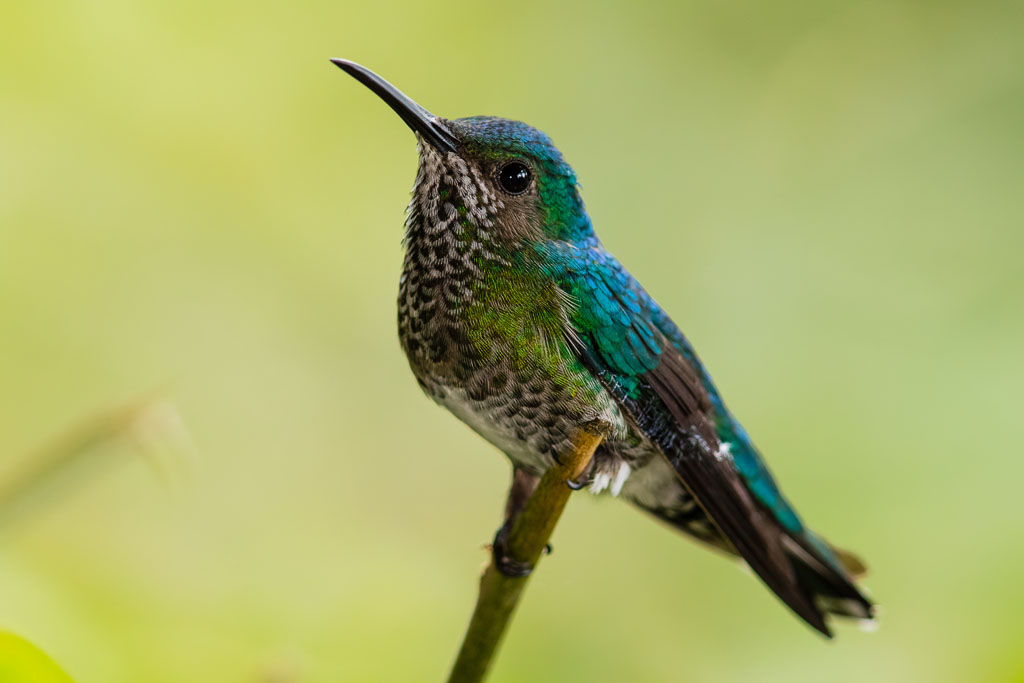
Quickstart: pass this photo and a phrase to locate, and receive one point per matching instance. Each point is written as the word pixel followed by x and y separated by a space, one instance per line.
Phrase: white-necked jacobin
pixel 515 318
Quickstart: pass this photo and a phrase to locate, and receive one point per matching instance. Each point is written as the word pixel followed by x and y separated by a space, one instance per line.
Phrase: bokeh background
pixel 826 196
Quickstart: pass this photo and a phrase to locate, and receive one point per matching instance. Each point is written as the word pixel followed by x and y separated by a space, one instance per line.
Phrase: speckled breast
pixel 473 345
pixel 522 408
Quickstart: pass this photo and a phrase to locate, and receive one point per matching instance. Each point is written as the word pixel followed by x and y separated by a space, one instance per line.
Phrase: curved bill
pixel 415 116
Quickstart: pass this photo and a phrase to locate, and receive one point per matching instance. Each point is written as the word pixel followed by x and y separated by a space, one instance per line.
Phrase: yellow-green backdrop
pixel 827 197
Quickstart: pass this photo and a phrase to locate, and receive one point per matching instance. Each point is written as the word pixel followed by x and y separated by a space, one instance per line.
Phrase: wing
pixel 643 360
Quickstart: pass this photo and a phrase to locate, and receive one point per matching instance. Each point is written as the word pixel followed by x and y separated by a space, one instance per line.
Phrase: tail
pixel 826 574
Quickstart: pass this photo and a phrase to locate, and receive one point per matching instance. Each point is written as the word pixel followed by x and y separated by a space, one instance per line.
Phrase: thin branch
pixel 499 594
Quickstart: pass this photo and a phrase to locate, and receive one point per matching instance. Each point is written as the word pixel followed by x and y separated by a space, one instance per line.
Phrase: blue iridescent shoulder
pixel 626 328
pixel 607 311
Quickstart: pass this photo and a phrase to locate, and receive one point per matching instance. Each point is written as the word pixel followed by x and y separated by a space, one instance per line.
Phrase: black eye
pixel 514 177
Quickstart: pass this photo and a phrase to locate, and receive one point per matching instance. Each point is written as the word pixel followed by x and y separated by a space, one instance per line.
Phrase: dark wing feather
pixel 691 449
pixel 663 395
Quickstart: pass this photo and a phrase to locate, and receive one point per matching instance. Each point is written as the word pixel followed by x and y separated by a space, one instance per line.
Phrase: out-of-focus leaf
pixel 23 662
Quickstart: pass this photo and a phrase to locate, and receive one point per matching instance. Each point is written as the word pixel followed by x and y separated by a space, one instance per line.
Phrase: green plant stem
pixel 499 594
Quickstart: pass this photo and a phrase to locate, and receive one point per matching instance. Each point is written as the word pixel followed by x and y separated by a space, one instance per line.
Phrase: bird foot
pixel 503 563
pixel 513 568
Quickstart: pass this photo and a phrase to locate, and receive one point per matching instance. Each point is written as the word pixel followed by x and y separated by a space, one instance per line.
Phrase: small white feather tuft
pixel 601 482
pixel 620 478
pixel 868 625
pixel 724 451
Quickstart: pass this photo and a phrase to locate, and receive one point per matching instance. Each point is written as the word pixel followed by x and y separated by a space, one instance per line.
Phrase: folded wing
pixel 646 364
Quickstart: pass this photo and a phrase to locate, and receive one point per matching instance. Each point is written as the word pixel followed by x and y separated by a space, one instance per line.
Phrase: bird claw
pixel 580 482
pixel 513 568
pixel 503 563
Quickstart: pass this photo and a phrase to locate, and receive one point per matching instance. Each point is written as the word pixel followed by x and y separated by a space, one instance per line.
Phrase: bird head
pixel 484 175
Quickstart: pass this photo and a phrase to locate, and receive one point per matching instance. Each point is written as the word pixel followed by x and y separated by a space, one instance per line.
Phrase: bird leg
pixel 523 485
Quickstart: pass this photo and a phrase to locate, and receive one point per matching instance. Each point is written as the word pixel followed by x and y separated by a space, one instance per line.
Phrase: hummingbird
pixel 515 318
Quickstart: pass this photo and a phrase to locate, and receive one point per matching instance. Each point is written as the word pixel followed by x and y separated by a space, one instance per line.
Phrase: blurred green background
pixel 826 196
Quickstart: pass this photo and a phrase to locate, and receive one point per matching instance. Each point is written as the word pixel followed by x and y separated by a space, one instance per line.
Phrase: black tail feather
pixel 832 590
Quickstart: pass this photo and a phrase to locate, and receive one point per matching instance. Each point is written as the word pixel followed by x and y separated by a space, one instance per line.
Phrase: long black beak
pixel 415 116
